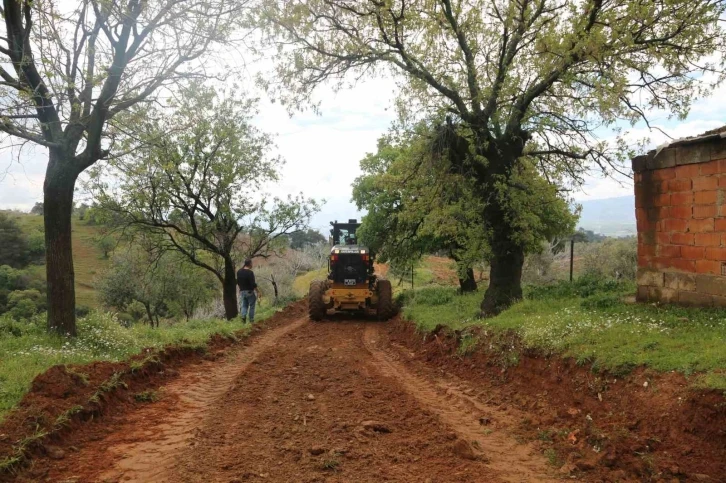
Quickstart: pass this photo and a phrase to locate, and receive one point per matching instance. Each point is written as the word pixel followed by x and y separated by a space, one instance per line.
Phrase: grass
pixel 589 320
pixel 301 285
pixel 27 350
pixel 88 260
pixel 146 396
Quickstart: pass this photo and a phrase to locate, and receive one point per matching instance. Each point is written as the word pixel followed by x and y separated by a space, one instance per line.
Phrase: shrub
pixel 434 296
pixel 612 258
pixel 82 311
pixel 136 311
pixel 36 245
pixel 101 334
pixel 23 304
pixel 584 286
pixel 14 250
pixel 10 327
pixel 125 319
pixel 601 301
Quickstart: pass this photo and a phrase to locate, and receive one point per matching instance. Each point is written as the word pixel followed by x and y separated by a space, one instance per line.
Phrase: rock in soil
pixel 464 450
pixel 375 426
pixel 55 452
pixel 317 450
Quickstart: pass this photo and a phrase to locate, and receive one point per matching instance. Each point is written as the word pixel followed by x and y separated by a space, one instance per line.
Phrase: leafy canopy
pixel 194 175
pixel 420 200
pixel 548 74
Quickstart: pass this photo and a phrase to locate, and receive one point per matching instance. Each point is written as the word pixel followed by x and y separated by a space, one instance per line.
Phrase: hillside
pixel 610 216
pixel 87 259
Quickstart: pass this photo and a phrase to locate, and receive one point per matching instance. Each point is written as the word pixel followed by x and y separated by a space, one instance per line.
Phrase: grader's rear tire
pixel 316 306
pixel 386 308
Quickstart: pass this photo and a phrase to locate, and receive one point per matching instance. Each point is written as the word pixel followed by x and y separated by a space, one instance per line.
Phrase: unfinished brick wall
pixel 680 194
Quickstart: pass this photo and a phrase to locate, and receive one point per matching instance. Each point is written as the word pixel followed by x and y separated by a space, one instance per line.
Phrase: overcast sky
pixel 323 150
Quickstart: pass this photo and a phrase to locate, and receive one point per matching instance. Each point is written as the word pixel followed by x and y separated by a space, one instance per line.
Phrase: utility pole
pixel 572 257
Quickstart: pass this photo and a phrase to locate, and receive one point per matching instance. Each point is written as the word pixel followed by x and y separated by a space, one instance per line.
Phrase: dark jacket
pixel 246 280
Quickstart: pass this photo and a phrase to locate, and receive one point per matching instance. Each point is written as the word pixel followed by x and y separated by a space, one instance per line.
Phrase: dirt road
pixel 331 401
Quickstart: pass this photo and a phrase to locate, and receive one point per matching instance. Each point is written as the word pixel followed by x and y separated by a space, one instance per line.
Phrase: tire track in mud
pixel 462 411
pixel 316 409
pixel 149 453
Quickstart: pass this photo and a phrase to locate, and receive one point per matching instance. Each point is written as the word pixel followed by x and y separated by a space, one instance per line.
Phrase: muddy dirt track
pixel 330 401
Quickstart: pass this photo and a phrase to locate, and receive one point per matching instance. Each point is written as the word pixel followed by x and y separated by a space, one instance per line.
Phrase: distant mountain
pixel 609 216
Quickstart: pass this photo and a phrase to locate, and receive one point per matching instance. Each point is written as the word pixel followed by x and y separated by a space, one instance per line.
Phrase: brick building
pixel 680 203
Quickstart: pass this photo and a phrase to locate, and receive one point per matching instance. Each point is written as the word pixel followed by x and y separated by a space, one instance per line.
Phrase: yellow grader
pixel 351 285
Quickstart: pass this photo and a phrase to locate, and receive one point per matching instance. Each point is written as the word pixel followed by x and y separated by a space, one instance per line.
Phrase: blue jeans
pixel 247 300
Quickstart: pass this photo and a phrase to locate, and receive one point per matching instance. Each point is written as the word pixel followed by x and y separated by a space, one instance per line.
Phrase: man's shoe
pixel 244 320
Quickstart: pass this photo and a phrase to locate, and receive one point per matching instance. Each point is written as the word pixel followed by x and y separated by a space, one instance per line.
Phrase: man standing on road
pixel 248 292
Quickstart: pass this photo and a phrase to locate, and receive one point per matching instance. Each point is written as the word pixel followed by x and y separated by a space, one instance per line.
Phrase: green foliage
pixel 36 245
pixel 434 296
pixel 14 249
pixel 37 209
pixel 589 321
pixel 612 258
pixel 528 88
pixel 23 304
pixel 22 292
pixel 192 183
pixel 418 201
pixel 301 239
pixel 144 285
pixel 146 397
pixel 105 243
pixel 28 350
pixel 417 204
pixel 584 286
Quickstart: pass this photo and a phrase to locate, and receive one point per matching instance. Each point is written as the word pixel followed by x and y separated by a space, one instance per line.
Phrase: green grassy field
pixel 88 260
pixel 592 322
pixel 27 350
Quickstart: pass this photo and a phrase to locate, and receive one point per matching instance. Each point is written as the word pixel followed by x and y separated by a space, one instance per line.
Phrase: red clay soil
pixel 646 426
pixel 351 400
pixel 60 401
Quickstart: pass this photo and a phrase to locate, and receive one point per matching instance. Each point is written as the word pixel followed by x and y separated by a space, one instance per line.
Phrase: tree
pixel 193 183
pixel 66 74
pixel 106 243
pixel 419 201
pixel 534 82
pixel 418 204
pixel 303 238
pixel 37 209
pixel 81 210
pixel 14 249
pixel 160 284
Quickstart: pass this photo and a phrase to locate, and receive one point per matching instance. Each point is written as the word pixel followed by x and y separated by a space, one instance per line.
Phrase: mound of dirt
pixel 644 426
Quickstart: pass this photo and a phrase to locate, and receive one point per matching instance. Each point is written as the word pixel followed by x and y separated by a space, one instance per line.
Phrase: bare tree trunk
pixel 274 286
pixel 468 284
pixel 149 315
pixel 58 205
pixel 505 279
pixel 229 289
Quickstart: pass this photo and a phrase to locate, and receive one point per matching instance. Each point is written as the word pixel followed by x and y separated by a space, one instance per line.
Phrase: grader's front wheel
pixel 316 306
